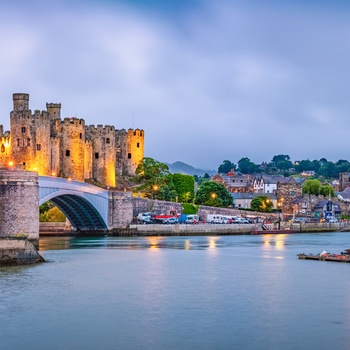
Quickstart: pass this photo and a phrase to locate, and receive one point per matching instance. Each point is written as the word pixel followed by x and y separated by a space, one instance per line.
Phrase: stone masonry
pixel 19 203
pixel 43 142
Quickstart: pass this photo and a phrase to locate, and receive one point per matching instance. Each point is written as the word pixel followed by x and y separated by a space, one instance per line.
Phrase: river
pixel 219 292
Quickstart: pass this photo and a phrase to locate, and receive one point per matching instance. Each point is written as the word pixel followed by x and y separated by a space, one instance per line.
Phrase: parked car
pixel 192 219
pixel 170 221
pixel 215 219
pixel 332 220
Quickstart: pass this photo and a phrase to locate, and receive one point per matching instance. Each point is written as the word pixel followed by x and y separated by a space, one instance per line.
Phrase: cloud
pixel 207 81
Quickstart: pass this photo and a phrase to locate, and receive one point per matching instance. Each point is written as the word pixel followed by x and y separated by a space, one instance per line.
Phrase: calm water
pixel 234 292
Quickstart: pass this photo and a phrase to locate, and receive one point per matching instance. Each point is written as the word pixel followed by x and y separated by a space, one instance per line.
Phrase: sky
pixel 208 81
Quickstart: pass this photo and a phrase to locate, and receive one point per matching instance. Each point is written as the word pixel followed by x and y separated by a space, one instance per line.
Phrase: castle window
pixel 23 129
pixel 38 147
pixel 24 165
pixel 28 142
pixel 67 153
pixel 138 145
pixel 18 141
pixel 108 140
pixel 129 155
pixel 96 155
pixel 23 143
pixel 80 135
pixel 2 148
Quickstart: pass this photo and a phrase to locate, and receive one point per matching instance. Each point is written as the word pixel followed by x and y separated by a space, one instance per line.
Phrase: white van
pixel 215 219
pixel 192 219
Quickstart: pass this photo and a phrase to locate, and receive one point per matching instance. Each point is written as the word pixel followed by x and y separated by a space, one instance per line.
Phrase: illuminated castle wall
pixel 45 143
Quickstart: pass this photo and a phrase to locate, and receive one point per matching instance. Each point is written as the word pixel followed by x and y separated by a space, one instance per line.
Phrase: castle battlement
pixel 43 142
pixel 136 132
pixel 100 129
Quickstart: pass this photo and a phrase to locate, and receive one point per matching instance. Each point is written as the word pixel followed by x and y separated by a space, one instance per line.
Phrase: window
pixel 23 129
pixel 138 145
pixel 28 142
pixel 67 153
pixel 38 147
pixel 80 135
pixel 2 148
pixel 18 141
pixel 129 155
pixel 108 140
pixel 96 155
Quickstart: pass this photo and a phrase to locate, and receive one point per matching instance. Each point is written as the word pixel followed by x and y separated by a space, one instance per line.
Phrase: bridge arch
pixel 85 205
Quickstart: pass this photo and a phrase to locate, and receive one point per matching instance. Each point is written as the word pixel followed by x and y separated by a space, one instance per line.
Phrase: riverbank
pixel 18 252
pixel 191 230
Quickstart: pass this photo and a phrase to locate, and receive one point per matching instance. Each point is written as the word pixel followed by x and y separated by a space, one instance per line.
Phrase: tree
pixel 213 194
pixel 327 190
pixel 189 208
pixel 184 186
pixel 282 162
pixel 151 175
pixel 312 187
pixel 328 170
pixel 226 167
pixel 246 166
pixel 261 204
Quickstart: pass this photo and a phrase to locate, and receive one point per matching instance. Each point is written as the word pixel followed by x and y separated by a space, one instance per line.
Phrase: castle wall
pixel 55 156
pixel 103 154
pixel 30 136
pixel 131 150
pixel 44 143
pixel 54 111
pixel 5 149
pixel 134 150
pixel 87 160
pixel 72 135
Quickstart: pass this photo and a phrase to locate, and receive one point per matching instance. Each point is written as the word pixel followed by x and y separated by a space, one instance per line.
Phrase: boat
pixel 265 232
pixel 324 256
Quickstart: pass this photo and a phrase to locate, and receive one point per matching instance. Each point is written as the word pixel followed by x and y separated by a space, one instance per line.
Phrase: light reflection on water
pixel 217 292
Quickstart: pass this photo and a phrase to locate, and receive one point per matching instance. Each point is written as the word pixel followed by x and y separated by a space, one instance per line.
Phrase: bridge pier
pixel 19 203
pixel 120 209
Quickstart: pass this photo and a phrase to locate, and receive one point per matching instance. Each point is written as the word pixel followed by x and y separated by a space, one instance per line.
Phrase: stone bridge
pixel 87 207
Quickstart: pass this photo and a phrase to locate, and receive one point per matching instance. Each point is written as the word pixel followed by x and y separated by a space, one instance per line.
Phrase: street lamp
pixel 155 188
pixel 213 195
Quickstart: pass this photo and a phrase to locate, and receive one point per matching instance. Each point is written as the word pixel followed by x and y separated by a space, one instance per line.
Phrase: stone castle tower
pixel 45 143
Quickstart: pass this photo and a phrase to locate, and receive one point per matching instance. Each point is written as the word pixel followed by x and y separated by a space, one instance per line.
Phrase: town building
pixel 242 200
pixel 266 183
pixel 234 182
pixel 288 190
pixel 43 142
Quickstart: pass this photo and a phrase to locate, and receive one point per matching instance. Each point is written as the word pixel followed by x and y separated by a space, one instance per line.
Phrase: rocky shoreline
pixel 14 251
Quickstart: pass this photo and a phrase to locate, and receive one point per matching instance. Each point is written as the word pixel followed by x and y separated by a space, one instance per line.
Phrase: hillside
pixel 183 168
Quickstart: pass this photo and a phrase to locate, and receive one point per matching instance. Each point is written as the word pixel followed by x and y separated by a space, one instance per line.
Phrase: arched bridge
pixel 85 205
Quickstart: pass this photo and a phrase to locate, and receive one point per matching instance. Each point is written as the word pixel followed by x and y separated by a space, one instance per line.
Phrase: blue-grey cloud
pixel 207 81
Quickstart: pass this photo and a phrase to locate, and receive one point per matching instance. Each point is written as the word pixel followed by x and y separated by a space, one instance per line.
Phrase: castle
pixel 45 143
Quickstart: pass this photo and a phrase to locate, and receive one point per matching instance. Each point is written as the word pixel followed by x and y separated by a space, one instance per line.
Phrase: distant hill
pixel 183 168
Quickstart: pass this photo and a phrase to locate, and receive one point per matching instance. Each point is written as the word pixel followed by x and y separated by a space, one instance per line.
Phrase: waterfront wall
pixel 18 252
pixel 19 203
pixel 143 205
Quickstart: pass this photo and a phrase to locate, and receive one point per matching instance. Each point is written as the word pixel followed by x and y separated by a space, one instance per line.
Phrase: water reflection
pixel 274 241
